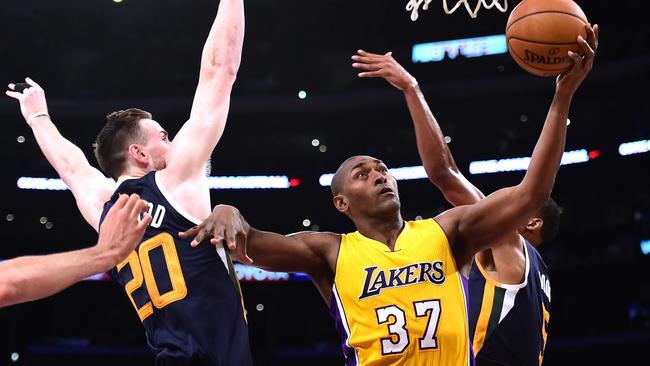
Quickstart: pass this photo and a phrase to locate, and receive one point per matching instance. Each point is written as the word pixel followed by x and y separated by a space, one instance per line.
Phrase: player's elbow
pixel 8 293
pixel 228 69
pixel 225 71
pixel 448 180
pixel 70 164
pixel 442 178
pixel 68 176
pixel 533 197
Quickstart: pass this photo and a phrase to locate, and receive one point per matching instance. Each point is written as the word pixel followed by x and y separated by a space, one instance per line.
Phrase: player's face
pixel 157 143
pixel 369 187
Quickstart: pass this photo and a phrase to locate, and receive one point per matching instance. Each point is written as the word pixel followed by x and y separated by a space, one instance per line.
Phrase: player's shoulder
pixel 535 257
pixel 131 185
pixel 105 191
pixel 123 186
pixel 331 240
pixel 450 218
pixel 325 246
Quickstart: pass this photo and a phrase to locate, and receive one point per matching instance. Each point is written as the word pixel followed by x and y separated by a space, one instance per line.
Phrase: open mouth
pixel 385 190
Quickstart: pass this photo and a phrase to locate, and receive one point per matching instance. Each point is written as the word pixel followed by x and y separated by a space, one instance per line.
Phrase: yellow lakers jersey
pixel 401 307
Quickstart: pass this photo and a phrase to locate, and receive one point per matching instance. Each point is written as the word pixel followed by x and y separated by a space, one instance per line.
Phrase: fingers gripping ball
pixel 540 33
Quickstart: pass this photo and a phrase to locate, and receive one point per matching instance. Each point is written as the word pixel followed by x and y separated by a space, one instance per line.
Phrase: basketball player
pixel 508 283
pixel 395 288
pixel 189 301
pixel 31 278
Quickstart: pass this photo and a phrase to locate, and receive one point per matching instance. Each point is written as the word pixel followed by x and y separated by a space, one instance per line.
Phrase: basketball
pixel 539 34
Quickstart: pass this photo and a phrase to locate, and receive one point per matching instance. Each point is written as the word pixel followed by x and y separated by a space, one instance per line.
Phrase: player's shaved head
pixel 338 179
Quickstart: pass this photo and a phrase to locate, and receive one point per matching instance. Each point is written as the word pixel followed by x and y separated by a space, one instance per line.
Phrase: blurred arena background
pixel 298 110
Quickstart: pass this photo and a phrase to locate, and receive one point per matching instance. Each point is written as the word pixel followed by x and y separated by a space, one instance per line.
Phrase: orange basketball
pixel 540 33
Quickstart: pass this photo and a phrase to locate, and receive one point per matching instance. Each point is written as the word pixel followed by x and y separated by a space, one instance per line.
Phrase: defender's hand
pixel 583 62
pixel 384 66
pixel 32 100
pixel 226 226
pixel 121 232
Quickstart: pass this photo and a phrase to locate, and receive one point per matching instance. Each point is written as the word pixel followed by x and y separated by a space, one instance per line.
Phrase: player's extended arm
pixel 220 60
pixel 304 252
pixel 34 277
pixel 88 185
pixel 434 152
pixel 491 219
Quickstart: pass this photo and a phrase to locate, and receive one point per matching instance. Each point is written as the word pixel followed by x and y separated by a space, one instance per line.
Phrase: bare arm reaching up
pixel 435 154
pixel 88 185
pixel 194 143
pixel 478 226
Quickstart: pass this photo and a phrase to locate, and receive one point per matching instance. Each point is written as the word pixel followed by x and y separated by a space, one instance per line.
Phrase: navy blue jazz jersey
pixel 188 299
pixel 508 323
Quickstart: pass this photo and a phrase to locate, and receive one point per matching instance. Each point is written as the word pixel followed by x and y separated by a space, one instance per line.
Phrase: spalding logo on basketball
pixel 540 33
pixel 533 58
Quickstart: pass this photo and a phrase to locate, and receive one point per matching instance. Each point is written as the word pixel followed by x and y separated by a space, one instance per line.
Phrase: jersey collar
pixel 122 178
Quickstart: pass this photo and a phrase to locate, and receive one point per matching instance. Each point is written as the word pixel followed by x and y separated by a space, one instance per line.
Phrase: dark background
pixel 95 56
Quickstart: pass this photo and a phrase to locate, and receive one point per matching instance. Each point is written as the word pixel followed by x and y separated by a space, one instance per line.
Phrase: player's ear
pixel 341 203
pixel 138 154
pixel 534 224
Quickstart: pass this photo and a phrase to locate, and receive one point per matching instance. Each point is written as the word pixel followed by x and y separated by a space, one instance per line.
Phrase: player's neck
pixel 534 240
pixel 382 230
pixel 135 172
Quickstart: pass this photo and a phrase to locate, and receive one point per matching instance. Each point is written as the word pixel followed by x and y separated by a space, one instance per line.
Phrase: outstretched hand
pixel 583 61
pixel 32 100
pixel 225 225
pixel 121 230
pixel 383 66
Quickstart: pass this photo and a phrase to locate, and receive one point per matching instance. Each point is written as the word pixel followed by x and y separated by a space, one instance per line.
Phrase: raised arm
pixel 88 185
pixel 220 60
pixel 478 226
pixel 434 152
pixel 35 277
